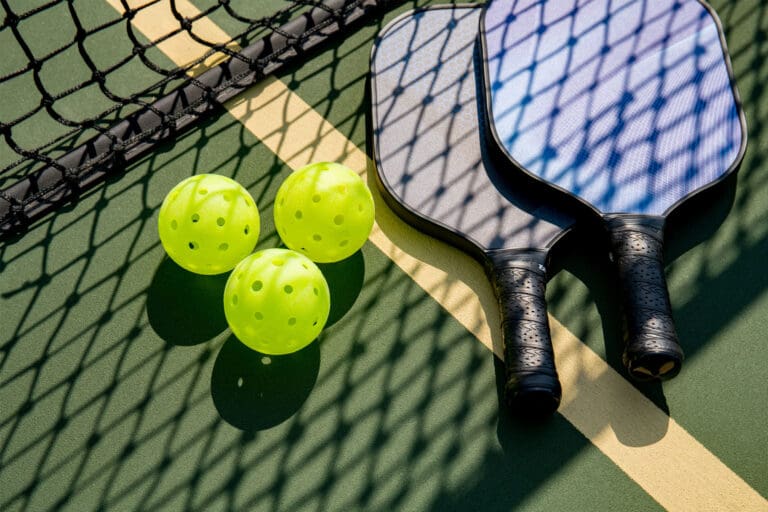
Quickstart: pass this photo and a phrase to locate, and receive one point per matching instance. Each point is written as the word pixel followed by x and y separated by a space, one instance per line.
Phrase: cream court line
pixel 651 448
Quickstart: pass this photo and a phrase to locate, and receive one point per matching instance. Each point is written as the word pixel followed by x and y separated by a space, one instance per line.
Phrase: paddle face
pixel 433 171
pixel 627 105
pixel 430 158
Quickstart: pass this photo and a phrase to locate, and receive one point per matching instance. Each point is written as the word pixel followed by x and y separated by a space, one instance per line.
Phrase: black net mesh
pixel 76 113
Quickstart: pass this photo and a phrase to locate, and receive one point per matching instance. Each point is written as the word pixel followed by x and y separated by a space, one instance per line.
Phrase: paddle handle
pixel 652 350
pixel 532 387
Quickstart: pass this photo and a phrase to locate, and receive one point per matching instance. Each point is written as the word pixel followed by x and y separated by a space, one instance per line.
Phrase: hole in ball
pixel 227 197
pixel 234 300
pixel 192 245
pixel 278 262
pixel 257 285
pixel 291 321
pixel 220 221
pixel 195 217
pixel 298 214
pixel 247 229
pixel 315 322
pixel 316 237
pixel 316 291
pixel 288 288
pixel 202 191
pixel 174 224
pixel 360 208
pixel 224 246
pixel 316 198
pixel 343 243
pixel 258 316
pixel 338 220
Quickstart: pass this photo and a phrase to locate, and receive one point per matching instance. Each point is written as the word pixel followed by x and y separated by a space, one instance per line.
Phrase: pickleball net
pixel 85 91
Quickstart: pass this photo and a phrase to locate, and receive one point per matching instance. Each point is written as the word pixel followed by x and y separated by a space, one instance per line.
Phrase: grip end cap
pixel 533 396
pixel 657 365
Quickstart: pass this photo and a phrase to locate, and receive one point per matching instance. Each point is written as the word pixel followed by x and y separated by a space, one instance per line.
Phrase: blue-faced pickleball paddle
pixel 631 107
pixel 433 172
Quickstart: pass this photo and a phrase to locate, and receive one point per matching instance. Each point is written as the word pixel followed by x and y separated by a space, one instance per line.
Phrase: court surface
pixel 121 387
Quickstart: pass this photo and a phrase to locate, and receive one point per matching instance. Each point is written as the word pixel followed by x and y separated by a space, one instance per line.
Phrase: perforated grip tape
pixel 531 384
pixel 651 346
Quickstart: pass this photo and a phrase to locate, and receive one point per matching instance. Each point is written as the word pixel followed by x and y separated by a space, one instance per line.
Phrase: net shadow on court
pixel 99 411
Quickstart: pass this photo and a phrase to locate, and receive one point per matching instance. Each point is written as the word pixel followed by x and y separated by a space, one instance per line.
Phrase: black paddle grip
pixel 652 350
pixel 532 387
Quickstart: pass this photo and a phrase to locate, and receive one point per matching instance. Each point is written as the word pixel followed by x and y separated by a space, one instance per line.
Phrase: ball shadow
pixel 185 308
pixel 345 281
pixel 254 391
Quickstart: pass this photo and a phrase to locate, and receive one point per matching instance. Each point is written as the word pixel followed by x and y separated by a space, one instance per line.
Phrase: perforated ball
pixel 276 301
pixel 208 223
pixel 325 211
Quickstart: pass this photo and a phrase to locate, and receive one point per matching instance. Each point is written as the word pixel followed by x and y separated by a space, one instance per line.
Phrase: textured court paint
pixel 691 479
pixel 627 105
pixel 284 122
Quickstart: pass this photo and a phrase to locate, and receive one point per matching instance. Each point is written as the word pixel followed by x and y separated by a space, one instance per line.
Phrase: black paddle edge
pixel 596 223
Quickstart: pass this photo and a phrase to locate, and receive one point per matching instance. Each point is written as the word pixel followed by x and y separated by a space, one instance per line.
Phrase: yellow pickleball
pixel 276 301
pixel 325 211
pixel 208 223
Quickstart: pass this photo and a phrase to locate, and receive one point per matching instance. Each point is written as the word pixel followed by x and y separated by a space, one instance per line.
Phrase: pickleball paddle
pixel 629 106
pixel 433 171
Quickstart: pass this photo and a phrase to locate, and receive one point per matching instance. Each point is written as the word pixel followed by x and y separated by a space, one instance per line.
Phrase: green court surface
pixel 121 387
